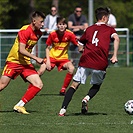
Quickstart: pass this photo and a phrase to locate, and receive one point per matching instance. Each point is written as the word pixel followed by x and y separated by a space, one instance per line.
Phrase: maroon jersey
pixel 96 39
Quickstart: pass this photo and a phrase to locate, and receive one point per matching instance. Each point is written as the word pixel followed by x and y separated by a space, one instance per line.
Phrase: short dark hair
pixel 53 6
pixel 100 12
pixel 78 6
pixel 61 20
pixel 37 14
pixel 108 9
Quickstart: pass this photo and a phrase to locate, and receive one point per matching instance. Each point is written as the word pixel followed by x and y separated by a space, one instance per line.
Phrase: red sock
pixel 67 80
pixel 30 85
pixel 30 93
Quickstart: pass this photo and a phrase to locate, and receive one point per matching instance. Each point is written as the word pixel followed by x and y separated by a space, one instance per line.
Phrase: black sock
pixel 93 90
pixel 68 97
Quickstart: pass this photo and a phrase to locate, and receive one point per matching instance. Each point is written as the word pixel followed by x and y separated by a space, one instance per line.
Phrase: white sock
pixel 86 98
pixel 20 103
pixel 62 111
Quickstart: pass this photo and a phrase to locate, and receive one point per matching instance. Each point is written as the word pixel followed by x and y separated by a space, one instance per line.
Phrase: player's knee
pixel 39 85
pixel 71 69
pixel 2 85
pixel 75 85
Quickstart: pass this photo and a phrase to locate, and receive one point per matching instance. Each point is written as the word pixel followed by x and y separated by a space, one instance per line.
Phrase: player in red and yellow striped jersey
pixel 18 60
pixel 57 52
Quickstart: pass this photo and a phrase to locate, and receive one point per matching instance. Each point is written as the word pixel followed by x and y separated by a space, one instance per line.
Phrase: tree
pixel 5 8
pixel 15 13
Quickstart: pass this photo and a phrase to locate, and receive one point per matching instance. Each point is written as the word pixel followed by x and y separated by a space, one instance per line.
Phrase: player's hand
pixel 39 60
pixel 114 60
pixel 81 48
pixel 48 65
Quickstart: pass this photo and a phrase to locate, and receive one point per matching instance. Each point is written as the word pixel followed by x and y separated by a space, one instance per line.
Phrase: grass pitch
pixel 106 110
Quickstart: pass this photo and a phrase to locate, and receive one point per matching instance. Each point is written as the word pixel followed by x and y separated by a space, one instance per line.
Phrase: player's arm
pixel 22 50
pixel 80 47
pixel 74 28
pixel 116 46
pixel 48 64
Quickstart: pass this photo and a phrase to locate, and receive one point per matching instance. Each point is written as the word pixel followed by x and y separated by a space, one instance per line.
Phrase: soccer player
pixel 94 60
pixel 57 52
pixel 18 60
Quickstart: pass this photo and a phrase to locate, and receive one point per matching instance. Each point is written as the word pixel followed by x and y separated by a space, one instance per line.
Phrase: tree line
pixel 15 13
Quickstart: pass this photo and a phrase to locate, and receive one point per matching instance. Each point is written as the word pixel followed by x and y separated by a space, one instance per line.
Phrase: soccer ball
pixel 129 107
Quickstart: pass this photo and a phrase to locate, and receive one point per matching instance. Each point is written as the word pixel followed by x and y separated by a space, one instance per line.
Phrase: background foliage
pixel 14 14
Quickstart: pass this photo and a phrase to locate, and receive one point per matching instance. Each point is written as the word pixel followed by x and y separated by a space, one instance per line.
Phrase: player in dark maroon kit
pixel 95 46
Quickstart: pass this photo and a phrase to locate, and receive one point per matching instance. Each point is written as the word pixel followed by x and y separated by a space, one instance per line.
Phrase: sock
pixel 67 80
pixel 30 85
pixel 30 93
pixel 86 98
pixel 20 103
pixel 68 97
pixel 93 90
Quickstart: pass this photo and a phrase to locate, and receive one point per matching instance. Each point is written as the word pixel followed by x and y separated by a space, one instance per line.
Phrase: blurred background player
pixel 18 61
pixel 112 19
pixel 77 23
pixel 94 60
pixel 50 20
pixel 57 52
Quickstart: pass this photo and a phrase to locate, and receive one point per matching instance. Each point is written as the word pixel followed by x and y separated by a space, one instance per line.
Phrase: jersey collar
pixel 99 23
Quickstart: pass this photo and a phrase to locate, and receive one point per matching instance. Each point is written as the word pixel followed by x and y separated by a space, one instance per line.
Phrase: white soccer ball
pixel 129 107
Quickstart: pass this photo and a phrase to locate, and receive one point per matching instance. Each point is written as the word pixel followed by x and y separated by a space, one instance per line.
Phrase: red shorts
pixel 58 63
pixel 12 70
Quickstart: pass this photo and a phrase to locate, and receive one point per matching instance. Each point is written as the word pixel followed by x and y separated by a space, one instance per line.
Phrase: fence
pixel 7 38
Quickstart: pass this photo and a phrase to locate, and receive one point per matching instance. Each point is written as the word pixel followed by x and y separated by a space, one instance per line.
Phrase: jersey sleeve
pixel 113 31
pixel 23 36
pixel 74 39
pixel 49 40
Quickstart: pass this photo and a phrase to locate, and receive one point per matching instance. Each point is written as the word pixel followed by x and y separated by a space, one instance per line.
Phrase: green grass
pixel 106 111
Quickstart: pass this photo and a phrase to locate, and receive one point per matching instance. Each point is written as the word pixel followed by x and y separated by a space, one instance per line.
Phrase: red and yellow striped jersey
pixel 27 36
pixel 60 44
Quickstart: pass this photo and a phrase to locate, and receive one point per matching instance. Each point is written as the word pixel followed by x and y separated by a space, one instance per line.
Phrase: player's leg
pixel 92 92
pixel 68 97
pixel 35 87
pixel 96 79
pixel 32 89
pixel 70 68
pixel 30 74
pixel 9 72
pixel 4 81
pixel 79 77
